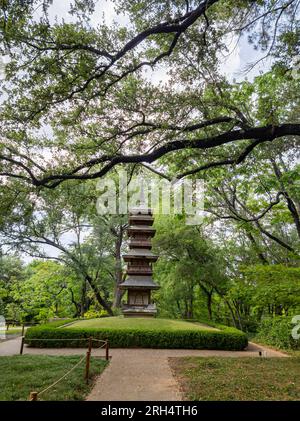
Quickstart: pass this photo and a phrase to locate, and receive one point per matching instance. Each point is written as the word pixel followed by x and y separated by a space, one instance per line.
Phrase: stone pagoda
pixel 139 282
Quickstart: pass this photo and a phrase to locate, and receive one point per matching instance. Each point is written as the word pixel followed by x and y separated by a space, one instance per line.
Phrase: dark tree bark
pixel 209 294
pixel 98 296
pixel 255 136
pixel 76 304
pixel 292 207
pixel 257 249
pixel 119 277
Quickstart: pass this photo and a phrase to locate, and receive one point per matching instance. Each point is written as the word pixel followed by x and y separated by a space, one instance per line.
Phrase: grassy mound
pixel 137 323
pixel 138 332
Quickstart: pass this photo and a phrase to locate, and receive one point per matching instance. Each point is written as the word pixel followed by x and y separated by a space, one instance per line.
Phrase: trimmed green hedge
pixel 227 338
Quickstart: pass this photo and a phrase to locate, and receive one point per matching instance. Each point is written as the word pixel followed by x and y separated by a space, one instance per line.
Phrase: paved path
pixel 137 374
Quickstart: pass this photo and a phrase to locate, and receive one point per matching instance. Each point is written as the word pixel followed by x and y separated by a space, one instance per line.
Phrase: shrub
pixel 227 338
pixel 277 331
pixel 94 314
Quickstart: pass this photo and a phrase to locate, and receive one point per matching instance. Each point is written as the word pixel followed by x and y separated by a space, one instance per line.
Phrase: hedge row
pixel 226 339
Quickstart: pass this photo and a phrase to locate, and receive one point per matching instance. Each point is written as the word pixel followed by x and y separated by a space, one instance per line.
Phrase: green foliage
pixel 43 294
pixel 11 273
pixel 92 314
pixel 277 331
pixel 189 269
pixel 227 338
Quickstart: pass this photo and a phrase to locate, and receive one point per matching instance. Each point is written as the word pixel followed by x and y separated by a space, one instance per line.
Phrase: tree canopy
pixel 79 101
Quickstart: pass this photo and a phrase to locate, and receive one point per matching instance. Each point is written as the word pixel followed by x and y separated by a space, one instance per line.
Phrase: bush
pixel 277 331
pixel 94 314
pixel 227 338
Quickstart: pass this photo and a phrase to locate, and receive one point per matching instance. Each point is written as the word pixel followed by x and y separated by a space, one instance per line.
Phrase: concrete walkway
pixel 137 374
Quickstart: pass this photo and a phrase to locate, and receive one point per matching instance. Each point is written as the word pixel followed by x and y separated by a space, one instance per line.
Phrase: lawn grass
pixel 121 322
pixel 21 374
pixel 206 379
pixel 13 331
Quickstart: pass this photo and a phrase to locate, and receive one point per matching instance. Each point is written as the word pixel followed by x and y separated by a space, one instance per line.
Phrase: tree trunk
pixel 209 306
pixel 232 312
pixel 100 300
pixel 191 307
pixel 273 237
pixel 83 298
pixel 208 294
pixel 257 249
pixel 292 207
pixel 118 293
pixel 179 308
pixel 293 210
pixel 76 305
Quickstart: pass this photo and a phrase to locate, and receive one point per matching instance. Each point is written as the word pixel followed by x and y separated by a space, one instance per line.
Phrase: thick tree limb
pixel 262 134
pixel 259 134
pixel 176 26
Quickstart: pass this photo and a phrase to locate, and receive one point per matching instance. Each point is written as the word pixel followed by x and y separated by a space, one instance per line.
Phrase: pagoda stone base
pixel 139 311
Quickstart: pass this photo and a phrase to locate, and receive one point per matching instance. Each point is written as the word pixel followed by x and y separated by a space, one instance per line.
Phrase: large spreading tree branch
pixel 239 217
pixel 110 61
pixel 240 214
pixel 257 135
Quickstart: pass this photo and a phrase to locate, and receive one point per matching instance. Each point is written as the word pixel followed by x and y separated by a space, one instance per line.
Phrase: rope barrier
pixel 61 339
pixel 101 346
pixel 98 340
pixel 58 339
pixel 61 378
pixel 34 395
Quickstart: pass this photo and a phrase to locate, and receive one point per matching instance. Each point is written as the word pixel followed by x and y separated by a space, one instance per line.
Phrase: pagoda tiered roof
pixel 137 281
pixel 140 254
pixel 141 220
pixel 140 211
pixel 140 243
pixel 141 229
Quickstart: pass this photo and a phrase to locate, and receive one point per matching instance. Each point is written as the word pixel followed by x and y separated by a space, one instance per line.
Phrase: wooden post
pixel 107 350
pixel 33 396
pixel 87 366
pixel 90 345
pixel 23 329
pixel 22 345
